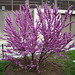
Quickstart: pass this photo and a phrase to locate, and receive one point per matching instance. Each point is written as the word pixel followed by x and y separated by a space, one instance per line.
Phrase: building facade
pixel 14 4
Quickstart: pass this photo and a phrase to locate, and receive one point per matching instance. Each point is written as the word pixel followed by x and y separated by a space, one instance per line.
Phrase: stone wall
pixel 1 22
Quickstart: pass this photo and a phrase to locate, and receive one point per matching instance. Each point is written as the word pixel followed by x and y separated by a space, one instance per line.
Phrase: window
pixel 11 4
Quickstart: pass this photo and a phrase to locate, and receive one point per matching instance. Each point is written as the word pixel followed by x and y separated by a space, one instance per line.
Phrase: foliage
pixel 2 65
pixel 26 40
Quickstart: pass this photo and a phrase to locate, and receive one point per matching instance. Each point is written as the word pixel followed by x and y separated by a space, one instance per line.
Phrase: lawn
pixel 2 65
pixel 67 64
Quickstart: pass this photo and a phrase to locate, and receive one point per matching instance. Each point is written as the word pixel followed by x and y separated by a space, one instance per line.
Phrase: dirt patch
pixel 50 69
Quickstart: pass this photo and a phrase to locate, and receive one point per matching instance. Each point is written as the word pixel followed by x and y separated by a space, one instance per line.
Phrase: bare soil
pixel 50 69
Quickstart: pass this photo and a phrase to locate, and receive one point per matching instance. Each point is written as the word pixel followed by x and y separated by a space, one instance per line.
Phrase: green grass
pixel 70 65
pixel 2 65
pixel 67 64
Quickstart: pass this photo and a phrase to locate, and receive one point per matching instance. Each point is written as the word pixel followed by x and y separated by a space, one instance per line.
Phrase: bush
pixel 26 40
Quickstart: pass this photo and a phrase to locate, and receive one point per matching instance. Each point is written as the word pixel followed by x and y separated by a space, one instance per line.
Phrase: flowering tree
pixel 25 41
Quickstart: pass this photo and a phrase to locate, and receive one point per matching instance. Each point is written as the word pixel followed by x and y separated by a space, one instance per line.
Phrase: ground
pixel 48 68
pixel 65 64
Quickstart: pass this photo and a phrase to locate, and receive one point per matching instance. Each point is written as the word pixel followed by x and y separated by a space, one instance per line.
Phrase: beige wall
pixel 67 29
pixel 73 25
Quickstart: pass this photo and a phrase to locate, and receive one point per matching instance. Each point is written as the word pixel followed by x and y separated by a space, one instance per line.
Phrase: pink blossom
pixel 25 40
